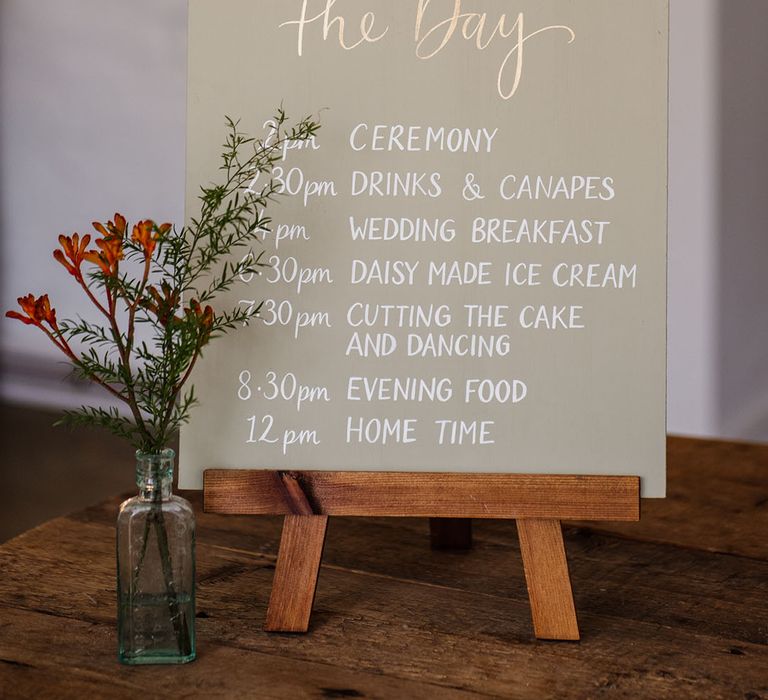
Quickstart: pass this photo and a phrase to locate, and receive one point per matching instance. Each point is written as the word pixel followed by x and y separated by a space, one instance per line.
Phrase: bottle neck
pixel 154 474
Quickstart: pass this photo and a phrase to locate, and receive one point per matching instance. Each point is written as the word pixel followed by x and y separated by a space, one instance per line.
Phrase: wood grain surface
pixel 296 573
pixel 547 579
pixel 421 494
pixel 674 606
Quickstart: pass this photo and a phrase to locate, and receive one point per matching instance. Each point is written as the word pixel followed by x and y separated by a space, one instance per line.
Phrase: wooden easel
pixel 537 502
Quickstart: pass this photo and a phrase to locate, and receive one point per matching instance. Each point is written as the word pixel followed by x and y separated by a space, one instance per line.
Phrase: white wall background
pixel 693 152
pixel 92 121
pixel 92 109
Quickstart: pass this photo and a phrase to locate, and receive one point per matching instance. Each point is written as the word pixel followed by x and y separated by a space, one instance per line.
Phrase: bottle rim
pixel 165 453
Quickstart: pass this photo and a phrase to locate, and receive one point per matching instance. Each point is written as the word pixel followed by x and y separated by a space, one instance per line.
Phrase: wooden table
pixel 675 606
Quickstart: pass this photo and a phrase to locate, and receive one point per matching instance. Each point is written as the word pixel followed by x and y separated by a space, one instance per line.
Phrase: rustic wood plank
pixel 450 636
pixel 708 481
pixel 298 567
pixel 417 494
pixel 474 638
pixel 547 578
pixel 611 575
pixel 82 665
pixel 450 533
pixel 719 596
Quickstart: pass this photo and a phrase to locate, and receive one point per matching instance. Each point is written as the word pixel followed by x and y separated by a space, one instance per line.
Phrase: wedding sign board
pixel 468 265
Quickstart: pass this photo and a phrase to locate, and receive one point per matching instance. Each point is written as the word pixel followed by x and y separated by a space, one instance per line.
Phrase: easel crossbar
pixel 420 494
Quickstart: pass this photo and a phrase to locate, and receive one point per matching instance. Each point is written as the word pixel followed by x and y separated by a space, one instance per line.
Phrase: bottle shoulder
pixel 181 505
pixel 174 506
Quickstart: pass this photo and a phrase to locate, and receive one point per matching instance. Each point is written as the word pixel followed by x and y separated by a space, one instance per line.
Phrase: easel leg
pixel 450 533
pixel 298 566
pixel 549 584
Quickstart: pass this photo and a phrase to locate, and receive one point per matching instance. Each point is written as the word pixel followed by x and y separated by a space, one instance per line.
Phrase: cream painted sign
pixel 468 265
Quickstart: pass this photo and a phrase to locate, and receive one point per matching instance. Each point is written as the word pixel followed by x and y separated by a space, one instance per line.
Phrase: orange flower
pixel 110 256
pixel 117 227
pixel 146 233
pixel 111 245
pixel 162 305
pixel 203 318
pixel 37 310
pixel 72 253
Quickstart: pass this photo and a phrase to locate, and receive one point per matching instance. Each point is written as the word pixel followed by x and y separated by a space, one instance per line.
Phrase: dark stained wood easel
pixel 537 502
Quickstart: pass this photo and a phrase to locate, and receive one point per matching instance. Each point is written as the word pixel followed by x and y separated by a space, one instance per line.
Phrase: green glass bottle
pixel 156 568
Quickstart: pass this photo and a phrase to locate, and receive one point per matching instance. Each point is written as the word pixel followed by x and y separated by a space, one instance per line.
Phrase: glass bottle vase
pixel 155 568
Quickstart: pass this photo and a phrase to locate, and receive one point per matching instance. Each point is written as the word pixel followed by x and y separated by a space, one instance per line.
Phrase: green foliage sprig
pixel 182 273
